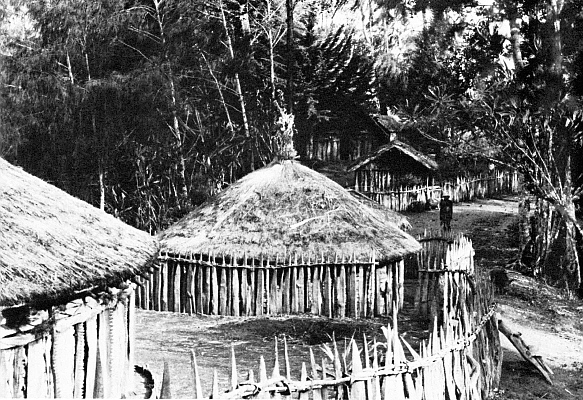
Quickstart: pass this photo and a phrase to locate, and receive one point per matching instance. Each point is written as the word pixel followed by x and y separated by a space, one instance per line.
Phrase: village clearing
pixel 550 322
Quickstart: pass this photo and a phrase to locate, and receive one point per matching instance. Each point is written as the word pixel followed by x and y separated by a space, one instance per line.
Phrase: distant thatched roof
pixel 398 219
pixel 401 147
pixel 287 208
pixel 52 244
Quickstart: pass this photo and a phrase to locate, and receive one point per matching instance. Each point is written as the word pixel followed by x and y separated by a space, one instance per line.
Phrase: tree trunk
pixel 238 87
pixel 290 55
pixel 178 137
pixel 515 38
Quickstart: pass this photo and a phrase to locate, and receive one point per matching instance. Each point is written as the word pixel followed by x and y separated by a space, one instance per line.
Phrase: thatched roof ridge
pixel 52 244
pixel 286 208
pixel 405 148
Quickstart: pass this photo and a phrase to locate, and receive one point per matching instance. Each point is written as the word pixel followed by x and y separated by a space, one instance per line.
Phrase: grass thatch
pixel 52 244
pixel 401 147
pixel 287 208
pixel 398 219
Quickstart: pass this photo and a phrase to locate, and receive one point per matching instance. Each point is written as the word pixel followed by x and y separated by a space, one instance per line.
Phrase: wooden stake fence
pixel 460 359
pixel 82 350
pixel 449 364
pixel 383 187
pixel 240 286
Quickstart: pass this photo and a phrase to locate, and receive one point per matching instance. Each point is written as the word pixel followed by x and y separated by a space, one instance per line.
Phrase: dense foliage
pixel 145 107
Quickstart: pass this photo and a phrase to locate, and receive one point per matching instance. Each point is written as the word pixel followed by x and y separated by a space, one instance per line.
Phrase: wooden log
pixel 262 379
pixel 164 278
pixel 79 377
pixel 304 394
pixel 389 292
pixel 6 373
pixel 184 288
pixel 36 374
pixel 198 393
pixel 62 361
pixel 250 292
pixel 223 292
pixel 214 291
pixel 234 383
pixel 327 296
pixel 324 389
pixel 358 388
pixel 380 287
pixel 362 293
pixel 352 303
pixel 19 371
pixel 286 291
pixel 207 290
pixel 340 390
pixel 340 290
pixel 315 394
pixel 165 390
pixel 316 305
pixel 156 288
pixel 273 292
pixel 301 289
pixel 189 290
pixel 235 293
pixel 526 351
pixel 176 284
pixel 215 386
pixel 294 289
pixel 259 299
pixel 245 288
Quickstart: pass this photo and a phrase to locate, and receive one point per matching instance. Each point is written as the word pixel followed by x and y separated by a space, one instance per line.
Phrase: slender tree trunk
pixel 177 131
pixel 515 37
pixel 290 55
pixel 238 87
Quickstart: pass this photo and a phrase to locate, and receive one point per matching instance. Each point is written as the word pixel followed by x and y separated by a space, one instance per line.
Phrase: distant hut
pixel 392 168
pixel 283 239
pixel 67 314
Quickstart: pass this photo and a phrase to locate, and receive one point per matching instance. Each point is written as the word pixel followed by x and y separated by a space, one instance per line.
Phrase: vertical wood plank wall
pixel 240 286
pixel 86 353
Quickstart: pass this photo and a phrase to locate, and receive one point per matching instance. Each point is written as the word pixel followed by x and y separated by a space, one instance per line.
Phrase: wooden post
pixel 79 377
pixel 214 307
pixel 156 287
pixel 223 292
pixel 340 291
pixel 316 306
pixel 164 274
pixel 261 285
pixel 235 289
pixel 62 359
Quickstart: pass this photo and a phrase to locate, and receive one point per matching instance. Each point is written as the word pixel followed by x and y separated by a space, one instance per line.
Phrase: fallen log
pixel 526 351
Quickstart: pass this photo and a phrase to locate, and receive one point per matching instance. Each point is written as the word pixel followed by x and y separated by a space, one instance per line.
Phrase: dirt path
pixel 553 327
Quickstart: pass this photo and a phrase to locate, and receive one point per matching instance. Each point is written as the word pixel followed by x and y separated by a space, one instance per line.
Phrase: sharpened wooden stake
pixel 198 394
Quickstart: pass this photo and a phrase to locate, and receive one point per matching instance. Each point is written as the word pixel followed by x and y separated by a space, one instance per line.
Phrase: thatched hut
pixel 394 174
pixel 282 239
pixel 66 328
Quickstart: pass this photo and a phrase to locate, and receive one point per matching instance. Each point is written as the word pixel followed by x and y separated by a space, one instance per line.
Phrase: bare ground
pixel 551 325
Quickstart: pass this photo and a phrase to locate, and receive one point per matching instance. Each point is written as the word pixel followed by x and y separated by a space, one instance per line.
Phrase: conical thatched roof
pixel 287 208
pixel 52 244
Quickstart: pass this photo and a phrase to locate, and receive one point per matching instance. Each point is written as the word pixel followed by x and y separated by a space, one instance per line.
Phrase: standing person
pixel 445 212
